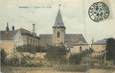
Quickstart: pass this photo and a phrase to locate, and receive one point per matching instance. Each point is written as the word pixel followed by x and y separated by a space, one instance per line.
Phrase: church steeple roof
pixel 59 20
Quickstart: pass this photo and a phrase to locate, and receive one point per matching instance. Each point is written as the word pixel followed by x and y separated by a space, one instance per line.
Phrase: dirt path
pixel 48 70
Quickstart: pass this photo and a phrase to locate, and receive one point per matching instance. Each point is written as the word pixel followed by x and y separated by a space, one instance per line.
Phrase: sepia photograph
pixel 57 36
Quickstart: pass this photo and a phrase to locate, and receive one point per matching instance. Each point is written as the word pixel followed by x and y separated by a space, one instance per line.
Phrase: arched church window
pixel 58 34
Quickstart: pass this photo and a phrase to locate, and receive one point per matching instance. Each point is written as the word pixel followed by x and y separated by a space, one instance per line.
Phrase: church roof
pixel 59 20
pixel 45 39
pixel 75 39
pixel 70 39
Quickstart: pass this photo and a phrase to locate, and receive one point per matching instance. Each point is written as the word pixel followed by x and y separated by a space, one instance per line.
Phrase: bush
pixel 28 48
pixel 75 59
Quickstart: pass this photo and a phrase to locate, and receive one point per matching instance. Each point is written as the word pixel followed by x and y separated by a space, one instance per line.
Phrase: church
pixel 59 36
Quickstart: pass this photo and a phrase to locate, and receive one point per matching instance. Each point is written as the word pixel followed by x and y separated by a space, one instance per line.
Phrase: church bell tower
pixel 58 30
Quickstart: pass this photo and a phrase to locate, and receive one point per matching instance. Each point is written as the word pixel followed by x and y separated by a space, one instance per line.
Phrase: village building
pixel 10 39
pixel 99 51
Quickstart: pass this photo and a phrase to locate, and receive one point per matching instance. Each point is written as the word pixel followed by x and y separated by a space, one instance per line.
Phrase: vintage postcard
pixel 57 36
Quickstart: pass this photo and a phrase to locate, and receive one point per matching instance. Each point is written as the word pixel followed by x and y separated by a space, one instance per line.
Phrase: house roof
pixel 100 42
pixel 26 32
pixel 9 35
pixel 23 31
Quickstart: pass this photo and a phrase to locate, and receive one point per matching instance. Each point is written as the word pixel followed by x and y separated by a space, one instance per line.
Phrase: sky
pixel 43 14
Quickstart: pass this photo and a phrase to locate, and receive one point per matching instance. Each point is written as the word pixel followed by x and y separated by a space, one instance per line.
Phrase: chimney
pixel 33 29
pixel 13 28
pixel 7 27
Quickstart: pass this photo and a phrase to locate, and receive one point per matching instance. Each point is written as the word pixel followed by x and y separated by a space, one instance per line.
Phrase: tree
pixel 3 55
pixel 110 49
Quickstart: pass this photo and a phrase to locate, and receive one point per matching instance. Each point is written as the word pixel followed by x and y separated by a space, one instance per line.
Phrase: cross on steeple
pixel 59 6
